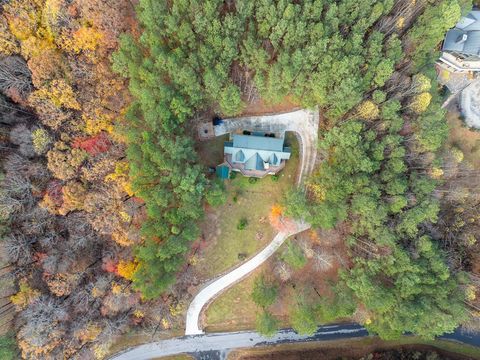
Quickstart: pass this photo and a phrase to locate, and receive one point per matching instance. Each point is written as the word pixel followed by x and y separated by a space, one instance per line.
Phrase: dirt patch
pixel 466 139
pixel 260 107
pixel 348 350
pixel 210 153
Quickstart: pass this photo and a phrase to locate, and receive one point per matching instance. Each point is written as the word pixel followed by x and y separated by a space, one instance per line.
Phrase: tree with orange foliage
pixel 94 145
pixel 279 221
pixel 74 194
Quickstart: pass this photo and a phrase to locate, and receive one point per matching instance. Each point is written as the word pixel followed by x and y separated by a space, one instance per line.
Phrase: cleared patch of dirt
pixel 260 107
pixel 466 139
pixel 347 350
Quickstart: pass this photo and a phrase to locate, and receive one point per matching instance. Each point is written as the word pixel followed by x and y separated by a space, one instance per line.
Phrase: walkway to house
pixel 209 292
pixel 304 123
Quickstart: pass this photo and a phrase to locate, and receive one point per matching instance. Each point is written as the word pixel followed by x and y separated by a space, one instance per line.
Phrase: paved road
pixel 221 343
pixel 217 286
pixel 304 123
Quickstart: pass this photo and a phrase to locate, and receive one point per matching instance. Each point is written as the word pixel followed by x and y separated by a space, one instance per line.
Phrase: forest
pixel 101 188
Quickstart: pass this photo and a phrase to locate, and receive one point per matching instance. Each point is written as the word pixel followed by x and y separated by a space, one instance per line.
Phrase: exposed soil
pixel 260 107
pixel 467 139
pixel 352 352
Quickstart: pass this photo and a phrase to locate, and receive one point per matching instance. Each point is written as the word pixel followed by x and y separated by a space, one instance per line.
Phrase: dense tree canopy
pixel 183 62
pixel 399 273
pixel 73 199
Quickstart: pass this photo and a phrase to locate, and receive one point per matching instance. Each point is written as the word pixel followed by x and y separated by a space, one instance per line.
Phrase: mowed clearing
pixel 226 246
pixel 235 310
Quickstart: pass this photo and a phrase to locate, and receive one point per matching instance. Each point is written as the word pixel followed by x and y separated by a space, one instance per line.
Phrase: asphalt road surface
pixel 219 344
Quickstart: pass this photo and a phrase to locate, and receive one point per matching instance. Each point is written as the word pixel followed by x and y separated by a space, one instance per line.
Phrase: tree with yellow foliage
pixel 420 103
pixel 316 191
pixel 126 269
pixel 435 173
pixel 25 296
pixel 59 93
pixel 84 39
pixel 120 176
pixel 421 83
pixel 8 42
pixel 367 110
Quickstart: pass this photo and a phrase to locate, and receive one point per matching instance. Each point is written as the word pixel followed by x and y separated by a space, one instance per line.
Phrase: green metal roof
pixel 257 142
pixel 254 163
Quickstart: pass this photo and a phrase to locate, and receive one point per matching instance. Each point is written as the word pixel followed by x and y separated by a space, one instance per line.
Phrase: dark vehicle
pixel 217 120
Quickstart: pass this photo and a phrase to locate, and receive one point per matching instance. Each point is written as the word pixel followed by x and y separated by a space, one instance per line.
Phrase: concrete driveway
pixel 304 123
pixel 223 342
pixel 470 104
pixel 209 292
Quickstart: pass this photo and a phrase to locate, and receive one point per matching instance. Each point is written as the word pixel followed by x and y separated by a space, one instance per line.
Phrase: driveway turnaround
pixel 224 342
pixel 217 286
pixel 470 104
pixel 304 123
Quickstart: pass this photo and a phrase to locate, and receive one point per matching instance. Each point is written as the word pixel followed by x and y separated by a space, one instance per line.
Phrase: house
pixel 461 47
pixel 255 155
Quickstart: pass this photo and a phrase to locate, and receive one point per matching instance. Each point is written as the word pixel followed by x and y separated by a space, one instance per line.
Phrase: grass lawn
pixel 226 245
pixel 234 309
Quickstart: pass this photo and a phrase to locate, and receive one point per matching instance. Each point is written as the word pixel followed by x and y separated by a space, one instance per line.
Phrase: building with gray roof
pixel 256 155
pixel 461 47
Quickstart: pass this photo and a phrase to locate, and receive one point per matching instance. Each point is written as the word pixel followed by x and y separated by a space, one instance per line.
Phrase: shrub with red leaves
pixel 109 265
pixel 93 145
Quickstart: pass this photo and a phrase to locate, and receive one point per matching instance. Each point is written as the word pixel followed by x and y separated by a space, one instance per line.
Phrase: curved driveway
pixel 217 286
pixel 304 123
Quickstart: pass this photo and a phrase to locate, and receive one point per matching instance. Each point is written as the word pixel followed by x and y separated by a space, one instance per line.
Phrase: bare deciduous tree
pixel 15 76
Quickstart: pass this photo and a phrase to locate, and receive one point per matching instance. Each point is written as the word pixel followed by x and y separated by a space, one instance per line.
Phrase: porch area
pixel 240 167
